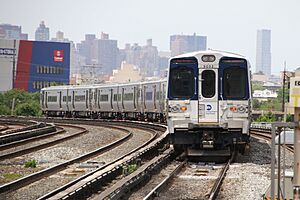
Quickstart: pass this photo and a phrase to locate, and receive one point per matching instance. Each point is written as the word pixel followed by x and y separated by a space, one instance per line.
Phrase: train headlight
pixel 183 108
pixel 175 109
pixel 242 109
pixel 208 58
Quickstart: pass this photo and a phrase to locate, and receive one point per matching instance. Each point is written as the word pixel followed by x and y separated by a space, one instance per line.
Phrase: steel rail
pixel 52 170
pixel 16 136
pixel 268 136
pixel 87 184
pixel 39 146
pixel 122 188
pixel 3 128
pixel 162 185
pixel 218 183
pixel 31 139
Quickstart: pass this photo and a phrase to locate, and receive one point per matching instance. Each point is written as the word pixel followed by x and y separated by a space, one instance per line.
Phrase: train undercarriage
pixel 152 117
pixel 209 141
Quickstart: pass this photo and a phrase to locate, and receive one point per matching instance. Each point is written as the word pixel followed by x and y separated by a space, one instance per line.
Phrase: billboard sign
pixel 7 52
pixel 58 55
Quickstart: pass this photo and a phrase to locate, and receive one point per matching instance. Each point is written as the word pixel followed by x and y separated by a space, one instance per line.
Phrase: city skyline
pixel 228 26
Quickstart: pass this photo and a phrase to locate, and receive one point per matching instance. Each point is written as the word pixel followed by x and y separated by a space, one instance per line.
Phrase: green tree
pixel 256 104
pixel 4 110
pixel 268 117
pixel 257 86
pixel 28 109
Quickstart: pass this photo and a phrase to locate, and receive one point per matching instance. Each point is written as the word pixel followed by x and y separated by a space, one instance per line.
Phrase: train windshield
pixel 183 79
pixel 235 83
pixel 234 79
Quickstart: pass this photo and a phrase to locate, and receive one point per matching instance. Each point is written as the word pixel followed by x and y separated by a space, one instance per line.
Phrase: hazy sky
pixel 230 25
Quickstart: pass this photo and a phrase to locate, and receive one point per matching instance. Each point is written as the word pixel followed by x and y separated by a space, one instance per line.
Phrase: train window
pixel 235 83
pixel 52 98
pixel 182 82
pixel 117 97
pixel 208 84
pixel 148 96
pixel 104 97
pixel 65 98
pixel 128 97
pixel 79 98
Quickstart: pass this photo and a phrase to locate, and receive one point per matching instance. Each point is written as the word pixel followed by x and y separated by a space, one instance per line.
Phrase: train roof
pixel 63 87
pixel 214 52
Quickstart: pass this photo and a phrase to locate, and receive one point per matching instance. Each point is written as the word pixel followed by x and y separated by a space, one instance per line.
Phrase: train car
pixel 82 103
pixel 138 101
pixel 53 100
pixel 153 99
pixel 209 99
pixel 129 100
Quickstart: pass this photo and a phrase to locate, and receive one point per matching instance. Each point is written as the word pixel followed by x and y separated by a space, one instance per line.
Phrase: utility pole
pixel 283 91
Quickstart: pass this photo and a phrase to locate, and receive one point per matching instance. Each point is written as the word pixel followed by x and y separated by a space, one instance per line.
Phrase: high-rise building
pixel 180 44
pixel 107 50
pixel 42 32
pixel 87 50
pixel 101 55
pixel 145 57
pixel 263 51
pixel 12 32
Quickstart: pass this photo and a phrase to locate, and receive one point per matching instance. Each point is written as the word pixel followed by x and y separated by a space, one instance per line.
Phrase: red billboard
pixel 58 55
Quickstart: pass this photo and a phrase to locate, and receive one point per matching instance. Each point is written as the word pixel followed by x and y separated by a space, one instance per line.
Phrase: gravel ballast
pixel 34 190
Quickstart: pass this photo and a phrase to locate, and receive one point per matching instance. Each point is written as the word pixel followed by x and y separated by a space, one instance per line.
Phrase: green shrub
pixel 28 109
pixel 31 164
pixel 269 117
pixel 132 168
pixel 4 110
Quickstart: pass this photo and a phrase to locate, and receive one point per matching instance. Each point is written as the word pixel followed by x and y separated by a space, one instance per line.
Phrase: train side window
pixel 208 84
pixel 104 97
pixel 115 97
pixel 148 96
pixel 52 98
pixel 128 97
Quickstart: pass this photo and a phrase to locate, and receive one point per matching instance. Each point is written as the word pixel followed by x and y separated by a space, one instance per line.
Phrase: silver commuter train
pixel 209 101
pixel 144 100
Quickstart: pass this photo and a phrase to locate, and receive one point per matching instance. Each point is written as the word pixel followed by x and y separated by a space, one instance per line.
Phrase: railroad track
pixel 91 183
pixel 3 127
pixel 52 170
pixel 266 135
pixel 161 191
pixel 48 172
pixel 41 145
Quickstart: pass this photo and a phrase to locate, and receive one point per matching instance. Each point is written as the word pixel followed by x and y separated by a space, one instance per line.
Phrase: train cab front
pixel 208 101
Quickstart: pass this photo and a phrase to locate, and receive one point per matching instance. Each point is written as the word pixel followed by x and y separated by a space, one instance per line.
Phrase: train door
pixel 86 99
pixel 111 99
pixel 67 100
pixel 90 96
pixel 122 99
pixel 154 97
pixel 208 95
pixel 73 100
pixel 46 100
pixel 60 99
pixel 98 99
